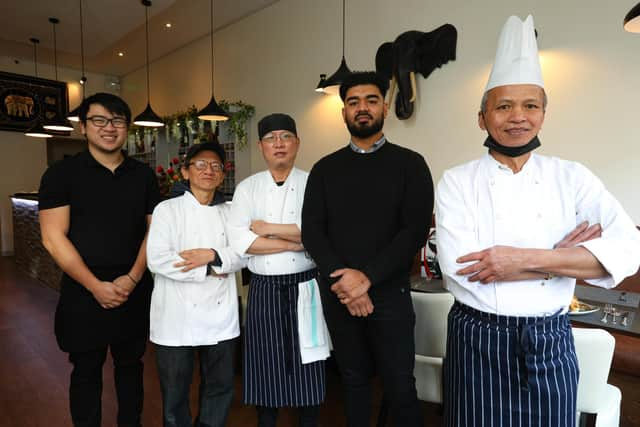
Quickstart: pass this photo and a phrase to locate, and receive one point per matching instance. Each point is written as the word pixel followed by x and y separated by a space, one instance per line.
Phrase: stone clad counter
pixel 30 256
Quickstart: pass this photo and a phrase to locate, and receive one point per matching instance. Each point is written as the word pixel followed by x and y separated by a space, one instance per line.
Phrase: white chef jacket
pixel 191 308
pixel 483 203
pixel 260 198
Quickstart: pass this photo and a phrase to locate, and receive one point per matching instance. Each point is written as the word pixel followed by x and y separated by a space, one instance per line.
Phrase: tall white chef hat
pixel 517 59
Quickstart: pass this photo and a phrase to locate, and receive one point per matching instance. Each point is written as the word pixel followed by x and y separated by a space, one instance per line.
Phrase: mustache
pixel 364 115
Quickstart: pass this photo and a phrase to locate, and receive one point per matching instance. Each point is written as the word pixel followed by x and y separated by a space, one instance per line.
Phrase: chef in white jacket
pixel 265 227
pixel 194 305
pixel 514 231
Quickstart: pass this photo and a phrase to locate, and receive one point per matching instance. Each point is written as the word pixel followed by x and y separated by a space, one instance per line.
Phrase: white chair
pixel 431 342
pixel 594 348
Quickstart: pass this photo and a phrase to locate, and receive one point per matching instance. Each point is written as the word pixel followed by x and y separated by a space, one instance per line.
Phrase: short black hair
pixel 358 78
pixel 112 103
pixel 204 146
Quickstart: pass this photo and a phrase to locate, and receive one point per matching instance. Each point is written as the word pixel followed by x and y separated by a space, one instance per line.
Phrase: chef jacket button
pixel 268 263
pixel 539 215
pixel 293 259
pixel 542 283
pixel 218 302
pixel 194 305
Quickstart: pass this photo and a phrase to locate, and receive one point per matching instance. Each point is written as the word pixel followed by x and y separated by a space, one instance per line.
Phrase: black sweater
pixel 370 212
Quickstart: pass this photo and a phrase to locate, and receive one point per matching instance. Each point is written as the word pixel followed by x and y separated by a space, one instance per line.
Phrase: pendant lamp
pixel 74 115
pixel 321 83
pixel 631 22
pixel 36 130
pixel 212 111
pixel 59 123
pixel 332 83
pixel 147 118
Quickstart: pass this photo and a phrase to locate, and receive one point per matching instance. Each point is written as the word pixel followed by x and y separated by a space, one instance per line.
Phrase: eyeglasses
pixel 100 121
pixel 284 137
pixel 201 165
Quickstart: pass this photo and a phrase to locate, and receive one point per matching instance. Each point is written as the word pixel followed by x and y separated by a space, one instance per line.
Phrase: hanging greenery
pixel 239 114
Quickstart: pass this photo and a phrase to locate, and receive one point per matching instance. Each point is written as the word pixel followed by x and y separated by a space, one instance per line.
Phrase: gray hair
pixel 483 102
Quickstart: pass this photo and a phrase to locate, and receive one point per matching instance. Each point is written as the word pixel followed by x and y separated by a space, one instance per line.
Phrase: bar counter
pixel 30 256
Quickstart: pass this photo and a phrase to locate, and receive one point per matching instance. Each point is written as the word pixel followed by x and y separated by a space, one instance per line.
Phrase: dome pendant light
pixel 148 118
pixel 332 83
pixel 212 111
pixel 74 115
pixel 36 130
pixel 59 124
pixel 631 22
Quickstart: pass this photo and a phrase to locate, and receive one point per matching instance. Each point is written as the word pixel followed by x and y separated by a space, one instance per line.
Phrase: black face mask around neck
pixel 492 144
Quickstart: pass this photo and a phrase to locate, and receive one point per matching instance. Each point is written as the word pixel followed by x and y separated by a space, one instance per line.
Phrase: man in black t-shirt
pixel 367 210
pixel 95 208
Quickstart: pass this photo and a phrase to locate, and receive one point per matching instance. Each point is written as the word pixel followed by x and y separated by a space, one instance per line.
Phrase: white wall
pixel 273 60
pixel 24 159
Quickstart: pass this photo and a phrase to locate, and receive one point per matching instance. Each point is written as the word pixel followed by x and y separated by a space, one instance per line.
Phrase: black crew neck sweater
pixel 370 212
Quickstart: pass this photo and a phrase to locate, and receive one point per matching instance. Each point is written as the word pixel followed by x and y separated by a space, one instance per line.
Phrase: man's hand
pixel 351 285
pixel 125 283
pixel 109 295
pixel 582 233
pixel 260 227
pixel 361 306
pixel 492 264
pixel 194 258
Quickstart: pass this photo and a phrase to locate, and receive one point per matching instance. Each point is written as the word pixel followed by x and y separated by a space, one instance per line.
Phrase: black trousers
pixel 383 342
pixel 85 390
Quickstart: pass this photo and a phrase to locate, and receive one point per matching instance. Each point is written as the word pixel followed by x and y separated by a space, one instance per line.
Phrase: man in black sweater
pixel 367 210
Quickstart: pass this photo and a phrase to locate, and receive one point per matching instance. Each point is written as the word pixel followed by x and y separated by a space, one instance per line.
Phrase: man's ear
pixel 481 121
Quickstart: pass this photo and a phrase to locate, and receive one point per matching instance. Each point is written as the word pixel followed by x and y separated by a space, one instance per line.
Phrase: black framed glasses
pixel 101 121
pixel 202 165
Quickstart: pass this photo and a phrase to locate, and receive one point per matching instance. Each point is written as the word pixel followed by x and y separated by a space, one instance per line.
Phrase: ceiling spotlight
pixel 120 53
pixel 83 80
pixel 167 25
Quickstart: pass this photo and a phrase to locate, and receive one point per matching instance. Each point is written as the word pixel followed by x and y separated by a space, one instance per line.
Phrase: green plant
pixel 239 115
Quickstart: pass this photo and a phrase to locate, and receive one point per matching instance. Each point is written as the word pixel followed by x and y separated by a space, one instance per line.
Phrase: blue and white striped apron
pixel 274 375
pixel 509 371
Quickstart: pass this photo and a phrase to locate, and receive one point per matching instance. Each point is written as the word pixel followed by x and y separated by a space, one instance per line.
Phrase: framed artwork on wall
pixel 24 99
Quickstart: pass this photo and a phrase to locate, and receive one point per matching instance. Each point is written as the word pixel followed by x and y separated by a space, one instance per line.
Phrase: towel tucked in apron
pixel 274 374
pixel 509 371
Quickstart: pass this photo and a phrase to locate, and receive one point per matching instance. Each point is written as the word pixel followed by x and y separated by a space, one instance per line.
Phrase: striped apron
pixel 509 371
pixel 274 375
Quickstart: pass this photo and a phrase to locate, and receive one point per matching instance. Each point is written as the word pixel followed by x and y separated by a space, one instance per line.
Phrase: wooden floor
pixel 34 373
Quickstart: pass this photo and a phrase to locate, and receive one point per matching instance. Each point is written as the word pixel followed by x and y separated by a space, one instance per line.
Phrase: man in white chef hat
pixel 515 229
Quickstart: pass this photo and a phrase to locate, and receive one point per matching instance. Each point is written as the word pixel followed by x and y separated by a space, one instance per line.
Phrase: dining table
pixel 614 310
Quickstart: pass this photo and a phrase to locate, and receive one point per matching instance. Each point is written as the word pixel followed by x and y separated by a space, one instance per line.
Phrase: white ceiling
pixel 111 26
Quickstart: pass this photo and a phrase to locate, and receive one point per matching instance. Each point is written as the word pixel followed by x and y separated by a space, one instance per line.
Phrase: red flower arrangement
pixel 168 177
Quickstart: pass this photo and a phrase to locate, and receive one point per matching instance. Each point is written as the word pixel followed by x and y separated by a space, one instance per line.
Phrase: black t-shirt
pixel 108 222
pixel 108 209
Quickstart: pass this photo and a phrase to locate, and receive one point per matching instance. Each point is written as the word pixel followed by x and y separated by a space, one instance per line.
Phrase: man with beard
pixel 94 211
pixel 510 351
pixel 367 211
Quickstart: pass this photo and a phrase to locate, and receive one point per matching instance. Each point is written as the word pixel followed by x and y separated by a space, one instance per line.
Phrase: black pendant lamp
pixel 632 20
pixel 147 118
pixel 60 123
pixel 212 111
pixel 332 83
pixel 322 83
pixel 74 115
pixel 37 131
